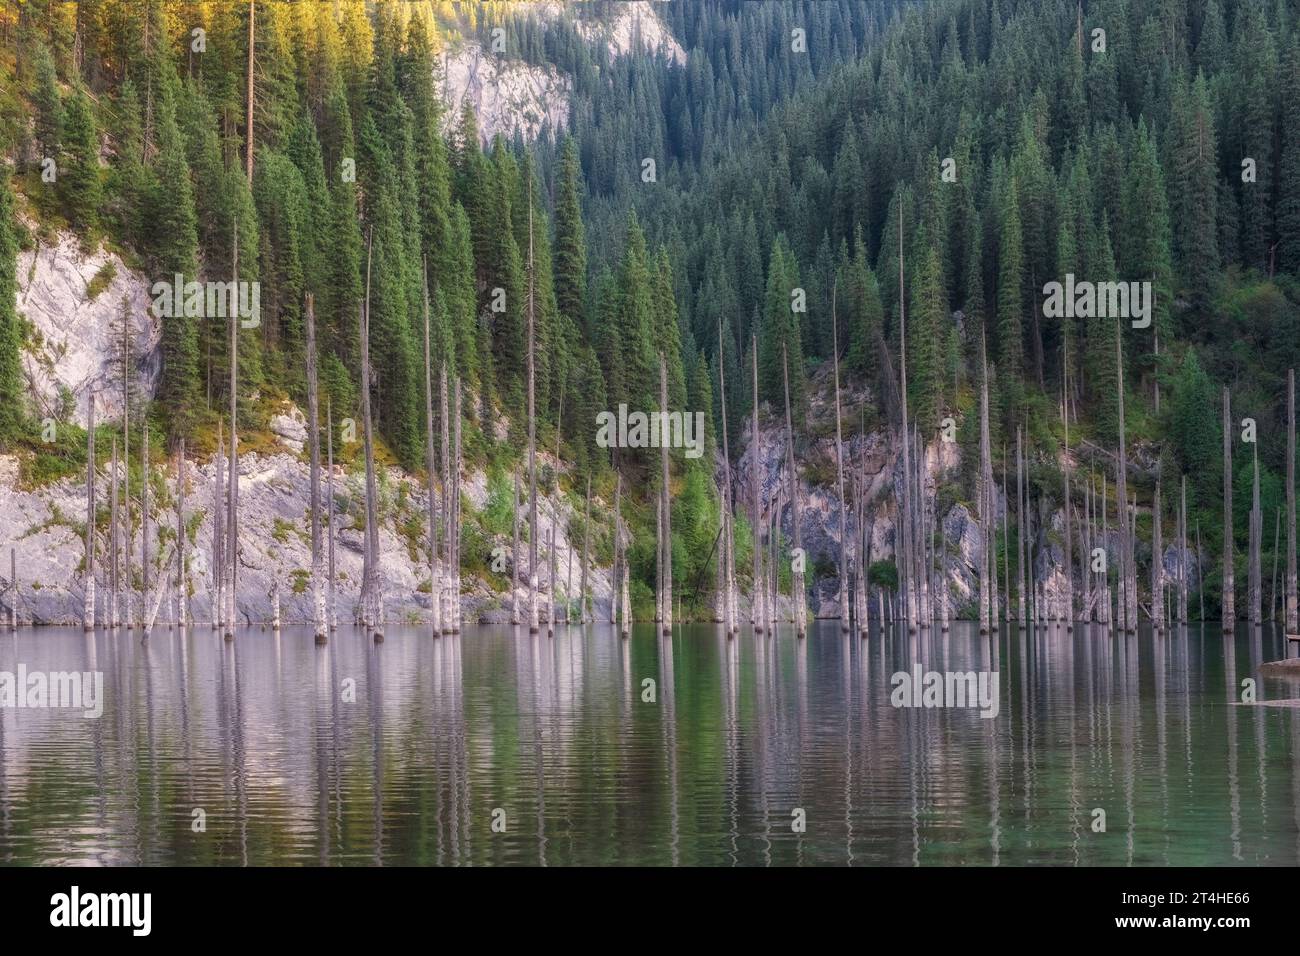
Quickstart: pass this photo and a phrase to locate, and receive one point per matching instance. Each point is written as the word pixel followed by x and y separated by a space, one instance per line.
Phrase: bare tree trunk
pixel 370 613
pixel 730 623
pixel 514 560
pixel 1129 589
pixel 435 597
pixel 550 586
pixel 114 542
pixel 248 143
pixel 757 611
pixel 1066 509
pixel 1229 589
pixel 839 468
pixel 123 581
pixel 1020 530
pixel 145 522
pixel 555 515
pixel 1182 550
pixel 445 581
pixel 621 588
pixel 532 435
pixel 1157 565
pixel 455 507
pixel 665 497
pixel 182 595
pixel 1253 575
pixel 313 445
pixel 902 534
pixel 88 609
pixel 332 611
pixel 1277 546
pixel 218 531
pixel 985 491
pixel 583 614
pixel 1200 575
pixel 1292 609
pixel 232 489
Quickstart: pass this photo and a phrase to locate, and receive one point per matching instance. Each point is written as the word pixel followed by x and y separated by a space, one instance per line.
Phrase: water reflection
pixel 691 749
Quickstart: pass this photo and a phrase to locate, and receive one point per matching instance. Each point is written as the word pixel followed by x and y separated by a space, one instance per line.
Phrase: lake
pixel 499 747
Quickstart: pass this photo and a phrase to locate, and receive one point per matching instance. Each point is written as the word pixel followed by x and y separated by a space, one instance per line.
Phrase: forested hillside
pixel 691 209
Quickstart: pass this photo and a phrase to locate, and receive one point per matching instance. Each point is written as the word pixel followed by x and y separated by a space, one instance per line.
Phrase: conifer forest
pixel 848 431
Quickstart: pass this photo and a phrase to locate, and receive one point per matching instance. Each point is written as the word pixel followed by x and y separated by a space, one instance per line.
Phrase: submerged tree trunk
pixel 665 497
pixel 514 560
pixel 583 617
pixel 435 596
pixel 902 536
pixel 1253 576
pixel 728 557
pixel 371 616
pixel 757 611
pixel 114 542
pixel 1157 565
pixel 454 611
pixel 145 521
pixel 218 569
pixel 313 446
pixel 88 572
pixel 1292 609
pixel 444 583
pixel 985 492
pixel 332 610
pixel 1128 592
pixel 1020 529
pixel 232 485
pixel 182 588
pixel 532 435
pixel 839 469
pixel 1229 588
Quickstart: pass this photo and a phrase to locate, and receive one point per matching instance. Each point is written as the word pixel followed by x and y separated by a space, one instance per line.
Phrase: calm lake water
pixel 404 752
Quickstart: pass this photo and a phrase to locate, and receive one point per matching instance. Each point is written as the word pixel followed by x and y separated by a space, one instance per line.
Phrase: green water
pixel 407 752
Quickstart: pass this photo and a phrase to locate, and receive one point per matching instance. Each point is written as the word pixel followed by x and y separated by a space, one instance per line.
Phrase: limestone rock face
pixel 74 300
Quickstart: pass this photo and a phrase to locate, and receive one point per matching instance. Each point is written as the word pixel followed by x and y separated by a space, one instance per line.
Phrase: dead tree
pixel 728 557
pixel 514 560
pixel 1066 518
pixel 114 542
pixel 1020 529
pixel 1157 565
pixel 218 569
pixel 1253 577
pixel 371 615
pixel 902 536
pixel 800 596
pixel 313 446
pixel 445 583
pixel 1128 592
pixel 1229 588
pixel 985 492
pixel 757 611
pixel 248 142
pixel 532 435
pixel 583 616
pixel 620 590
pixel 232 489
pixel 145 522
pixel 435 599
pixel 182 610
pixel 332 611
pixel 88 611
pixel 665 497
pixel 839 469
pixel 1292 615
pixel 455 507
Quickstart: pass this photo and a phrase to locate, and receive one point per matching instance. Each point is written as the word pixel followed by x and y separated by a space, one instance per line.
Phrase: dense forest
pixel 800 148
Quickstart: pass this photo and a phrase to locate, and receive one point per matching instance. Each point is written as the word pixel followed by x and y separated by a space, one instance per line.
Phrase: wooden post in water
pixel 313 447
pixel 1229 590
pixel 88 572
